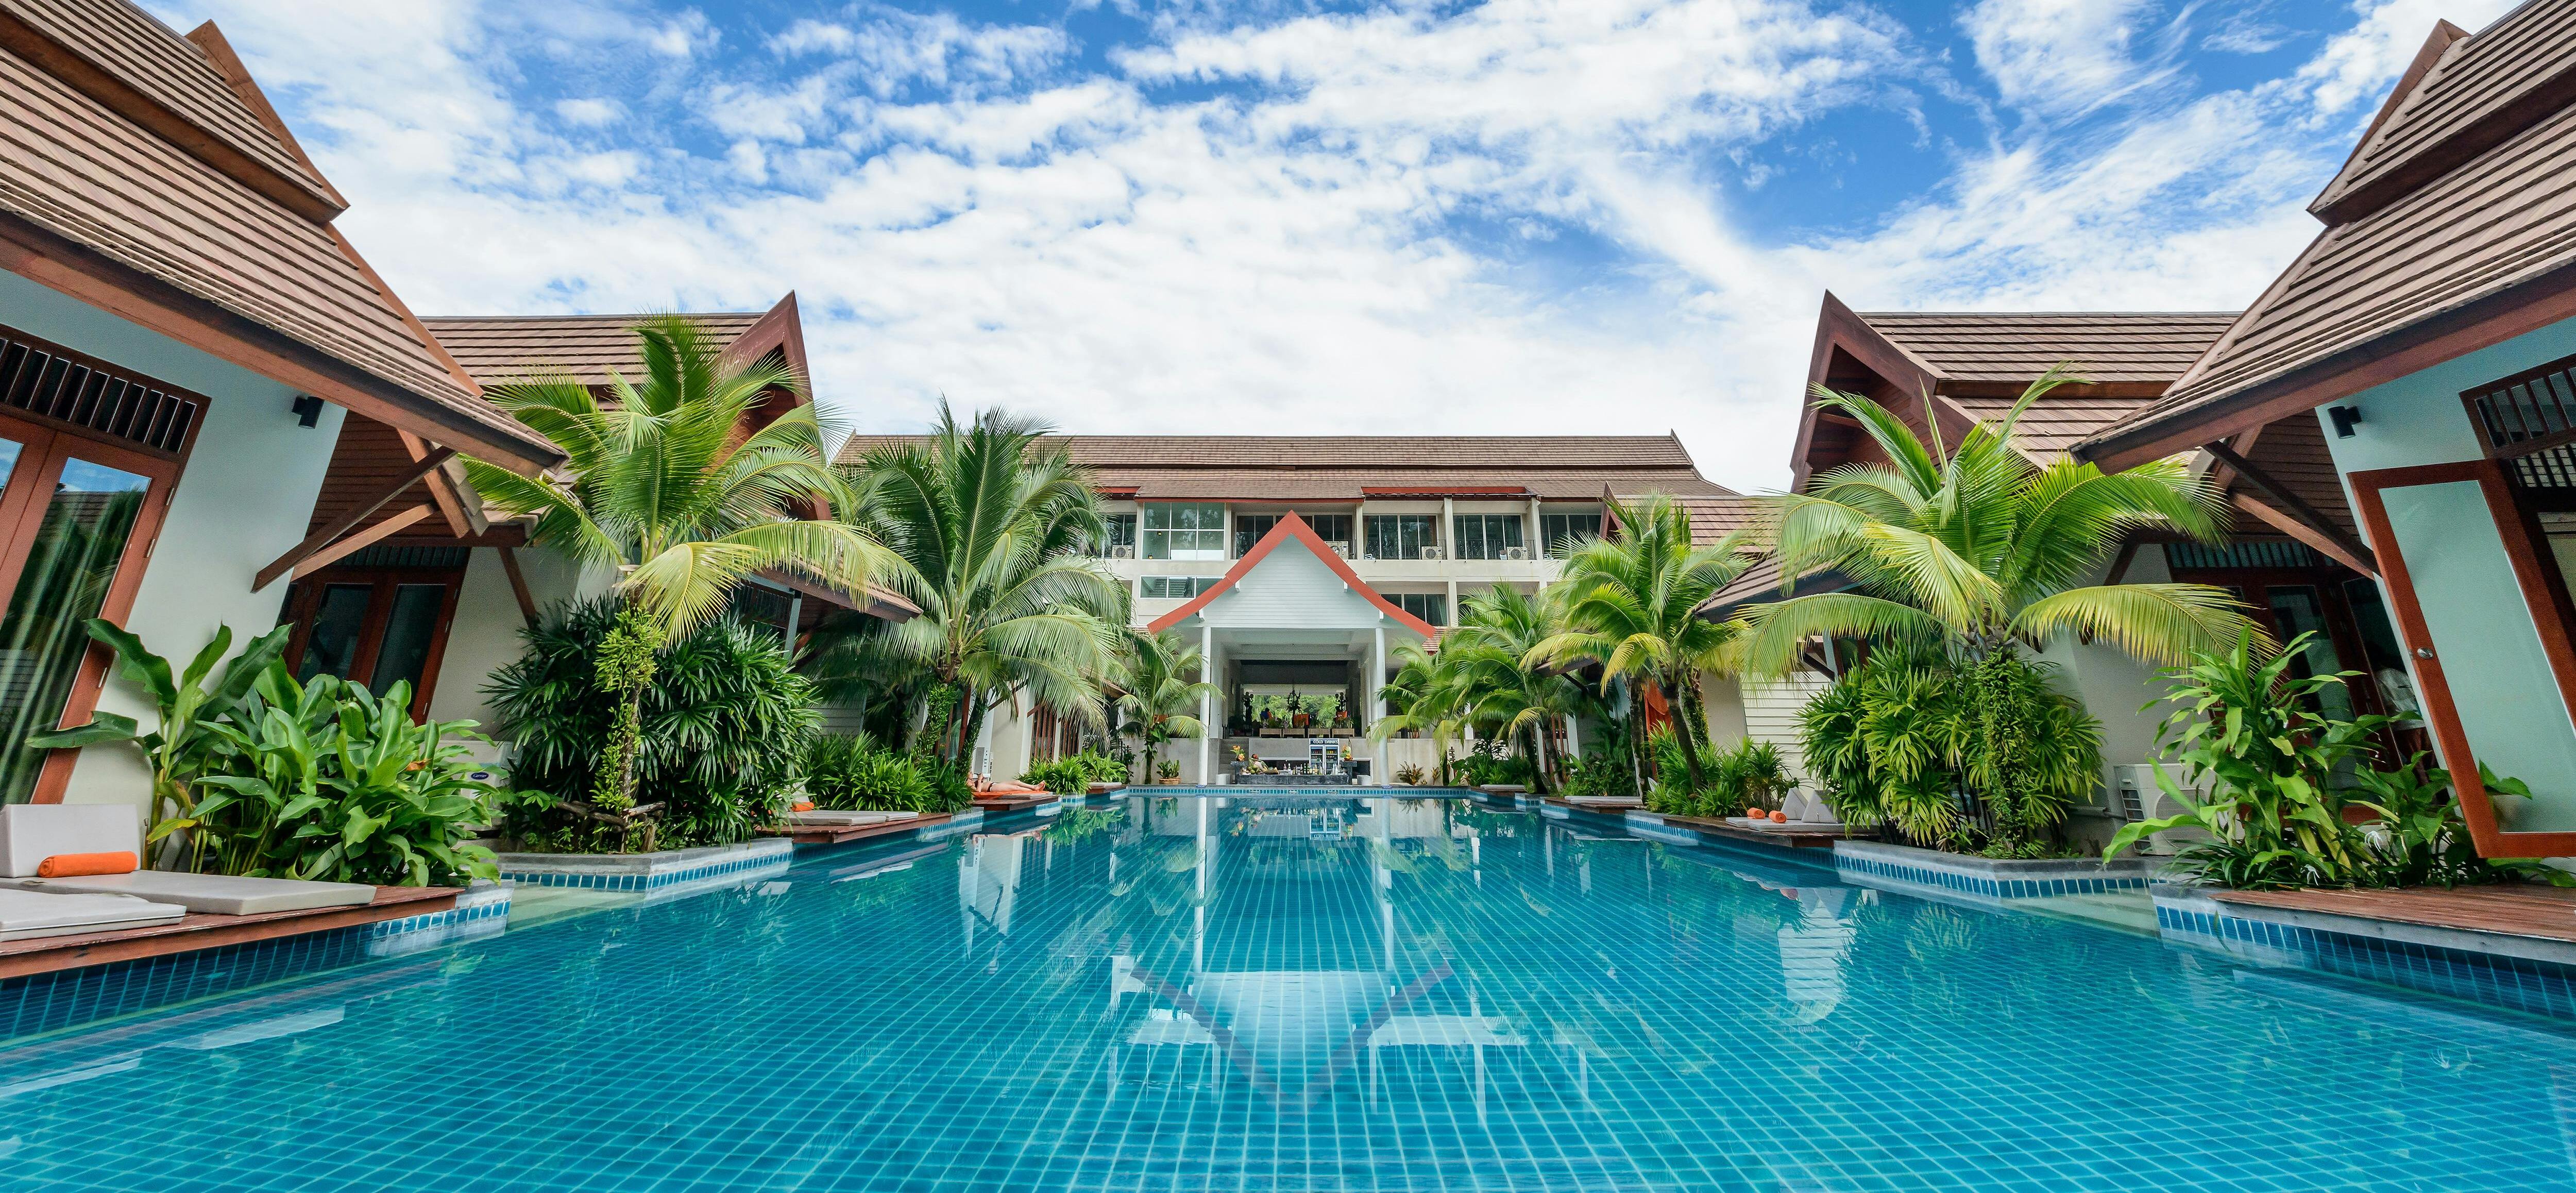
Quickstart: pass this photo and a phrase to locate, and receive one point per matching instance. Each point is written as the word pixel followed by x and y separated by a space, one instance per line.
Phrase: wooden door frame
pixel 2542 588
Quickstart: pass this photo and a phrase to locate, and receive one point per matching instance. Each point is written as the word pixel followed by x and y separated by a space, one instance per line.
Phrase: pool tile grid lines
pixel 2523 984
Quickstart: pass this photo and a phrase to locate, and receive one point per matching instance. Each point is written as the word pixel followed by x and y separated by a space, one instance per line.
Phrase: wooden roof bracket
pixel 320 547
pixel 2292 515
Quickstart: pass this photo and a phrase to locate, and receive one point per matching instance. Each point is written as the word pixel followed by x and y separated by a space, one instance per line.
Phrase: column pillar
pixel 1207 704
pixel 1378 776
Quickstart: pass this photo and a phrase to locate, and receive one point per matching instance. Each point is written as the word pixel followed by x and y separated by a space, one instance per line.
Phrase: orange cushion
pixel 73 865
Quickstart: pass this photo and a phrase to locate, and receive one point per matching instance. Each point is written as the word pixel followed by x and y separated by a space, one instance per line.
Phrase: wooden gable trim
pixel 1838 326
pixel 317 545
pixel 2452 151
pixel 218 50
pixel 1292 528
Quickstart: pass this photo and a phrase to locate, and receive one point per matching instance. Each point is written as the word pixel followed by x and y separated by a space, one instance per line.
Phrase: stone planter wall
pixel 1875 863
pixel 2530 974
pixel 644 872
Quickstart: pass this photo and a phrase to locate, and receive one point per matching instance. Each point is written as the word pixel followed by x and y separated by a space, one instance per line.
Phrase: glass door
pixel 2483 612
pixel 73 516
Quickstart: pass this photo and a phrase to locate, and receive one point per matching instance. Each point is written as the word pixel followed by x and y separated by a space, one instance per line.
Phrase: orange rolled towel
pixel 73 865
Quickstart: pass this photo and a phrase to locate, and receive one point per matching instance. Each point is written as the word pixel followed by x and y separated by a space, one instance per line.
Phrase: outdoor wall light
pixel 308 410
pixel 2344 418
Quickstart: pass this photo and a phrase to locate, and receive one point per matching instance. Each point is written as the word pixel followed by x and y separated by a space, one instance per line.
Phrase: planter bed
pixel 2500 946
pixel 928 827
pixel 643 872
pixel 1898 867
pixel 1667 826
pixel 1000 804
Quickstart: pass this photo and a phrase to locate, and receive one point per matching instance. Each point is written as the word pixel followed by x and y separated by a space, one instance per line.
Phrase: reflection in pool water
pixel 1296 992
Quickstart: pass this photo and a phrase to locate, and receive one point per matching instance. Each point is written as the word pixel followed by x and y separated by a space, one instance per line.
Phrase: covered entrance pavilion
pixel 1299 647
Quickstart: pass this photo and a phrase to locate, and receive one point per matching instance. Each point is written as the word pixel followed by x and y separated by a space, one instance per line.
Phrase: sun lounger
pixel 30 833
pixel 1605 801
pixel 27 914
pixel 210 894
pixel 828 818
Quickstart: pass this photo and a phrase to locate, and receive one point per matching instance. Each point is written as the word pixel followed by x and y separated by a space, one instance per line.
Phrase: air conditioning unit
pixel 1431 553
pixel 1125 552
pixel 1515 552
pixel 1342 549
pixel 2136 796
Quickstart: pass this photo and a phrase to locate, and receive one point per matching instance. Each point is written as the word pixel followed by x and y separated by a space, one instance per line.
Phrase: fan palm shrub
pixel 661 483
pixel 1508 696
pixel 1164 694
pixel 1985 554
pixel 989 529
pixel 1632 604
pixel 721 733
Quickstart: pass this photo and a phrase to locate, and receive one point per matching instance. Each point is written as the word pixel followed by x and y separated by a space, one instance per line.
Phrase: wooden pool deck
pixel 190 933
pixel 843 834
pixel 1777 839
pixel 2538 912
pixel 1014 801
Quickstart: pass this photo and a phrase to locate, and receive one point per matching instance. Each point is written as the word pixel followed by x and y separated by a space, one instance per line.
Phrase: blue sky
pixel 1518 216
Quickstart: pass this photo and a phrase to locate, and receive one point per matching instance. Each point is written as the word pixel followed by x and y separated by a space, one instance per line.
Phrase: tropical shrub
pixel 1409 774
pixel 328 782
pixel 1491 764
pixel 1915 740
pixel 2278 815
pixel 1075 773
pixel 722 731
pixel 853 774
pixel 1600 774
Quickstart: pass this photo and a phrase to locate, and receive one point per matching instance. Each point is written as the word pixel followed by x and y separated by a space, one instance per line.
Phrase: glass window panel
pixel 339 622
pixel 1487 536
pixel 10 450
pixel 1561 531
pixel 1332 528
pixel 1250 529
pixel 2501 683
pixel 409 629
pixel 1184 530
pixel 1119 531
pixel 2297 609
pixel 1401 536
pixel 1163 587
pixel 70 565
pixel 1431 607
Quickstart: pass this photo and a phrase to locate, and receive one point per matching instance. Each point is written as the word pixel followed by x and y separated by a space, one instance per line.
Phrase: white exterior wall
pixel 2113 686
pixel 485 634
pixel 1770 710
pixel 245 498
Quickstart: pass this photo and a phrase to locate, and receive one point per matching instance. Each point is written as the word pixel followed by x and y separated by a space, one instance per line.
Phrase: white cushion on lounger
pixel 827 816
pixel 212 894
pixel 30 833
pixel 27 913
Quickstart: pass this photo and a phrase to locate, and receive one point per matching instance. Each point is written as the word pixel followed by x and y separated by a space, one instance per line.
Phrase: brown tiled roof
pixel 503 348
pixel 133 49
pixel 2506 218
pixel 2055 422
pixel 1338 467
pixel 75 170
pixel 2015 347
pixel 1715 516
pixel 2479 91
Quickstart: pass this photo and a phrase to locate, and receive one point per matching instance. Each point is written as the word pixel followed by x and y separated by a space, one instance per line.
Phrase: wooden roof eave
pixel 73 269
pixel 1838 326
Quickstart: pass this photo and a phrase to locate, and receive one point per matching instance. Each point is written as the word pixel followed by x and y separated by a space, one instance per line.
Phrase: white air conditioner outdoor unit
pixel 1128 552
pixel 1515 552
pixel 2136 796
pixel 1342 549
pixel 1431 552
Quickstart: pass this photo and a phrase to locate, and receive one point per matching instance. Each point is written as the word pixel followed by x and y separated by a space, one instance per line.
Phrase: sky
pixel 1306 217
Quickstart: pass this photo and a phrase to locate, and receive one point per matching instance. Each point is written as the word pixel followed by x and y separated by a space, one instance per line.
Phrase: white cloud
pixel 2358 66
pixel 963 212
pixel 589 113
pixel 2067 57
pixel 684 36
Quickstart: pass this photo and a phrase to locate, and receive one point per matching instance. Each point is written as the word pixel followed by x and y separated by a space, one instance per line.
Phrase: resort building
pixel 2427 338
pixel 2293 554
pixel 1296 565
pixel 184 334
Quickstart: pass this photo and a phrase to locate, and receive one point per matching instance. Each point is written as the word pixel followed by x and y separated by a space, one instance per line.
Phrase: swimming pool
pixel 1296 992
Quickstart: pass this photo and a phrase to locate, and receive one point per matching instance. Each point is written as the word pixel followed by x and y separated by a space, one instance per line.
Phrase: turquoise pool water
pixel 1182 993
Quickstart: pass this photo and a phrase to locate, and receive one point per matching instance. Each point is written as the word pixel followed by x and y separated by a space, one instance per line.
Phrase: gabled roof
pixel 2463 234
pixel 143 173
pixel 2014 347
pixel 1347 468
pixel 498 348
pixel 1292 531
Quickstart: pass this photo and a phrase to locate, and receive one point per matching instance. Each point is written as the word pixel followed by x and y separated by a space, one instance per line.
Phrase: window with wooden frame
pixel 378 617
pixel 89 454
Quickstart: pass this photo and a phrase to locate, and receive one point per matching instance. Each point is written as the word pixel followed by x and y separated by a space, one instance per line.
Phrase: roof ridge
pixel 616 315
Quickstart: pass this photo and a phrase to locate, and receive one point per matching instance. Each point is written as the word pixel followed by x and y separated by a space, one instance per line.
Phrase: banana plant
pixel 178 746
pixel 329 782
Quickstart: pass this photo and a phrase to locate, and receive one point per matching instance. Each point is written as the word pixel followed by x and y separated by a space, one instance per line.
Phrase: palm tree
pixel 1984 550
pixel 1161 695
pixel 991 530
pixel 661 483
pixel 1632 604
pixel 1505 693
pixel 1978 554
pixel 1425 695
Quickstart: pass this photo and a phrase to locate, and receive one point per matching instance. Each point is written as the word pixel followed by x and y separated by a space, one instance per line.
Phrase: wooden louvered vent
pixel 53 382
pixel 2529 421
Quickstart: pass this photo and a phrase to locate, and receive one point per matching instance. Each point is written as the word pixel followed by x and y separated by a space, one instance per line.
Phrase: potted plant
pixel 1168 773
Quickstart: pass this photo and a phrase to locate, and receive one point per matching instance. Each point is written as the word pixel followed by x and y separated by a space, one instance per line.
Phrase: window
pixel 1431 607
pixel 1334 529
pixel 1487 536
pixel 379 617
pixel 1402 536
pixel 88 452
pixel 1118 530
pixel 1194 530
pixel 1250 529
pixel 1164 587
pixel 766 608
pixel 1560 531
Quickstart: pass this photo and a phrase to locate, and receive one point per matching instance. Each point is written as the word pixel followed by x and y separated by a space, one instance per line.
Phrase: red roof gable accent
pixel 1293 528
